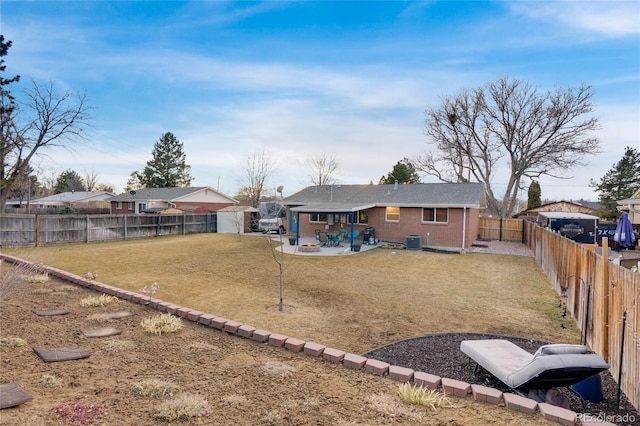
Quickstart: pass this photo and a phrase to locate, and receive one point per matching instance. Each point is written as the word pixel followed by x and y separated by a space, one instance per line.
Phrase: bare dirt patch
pixel 243 382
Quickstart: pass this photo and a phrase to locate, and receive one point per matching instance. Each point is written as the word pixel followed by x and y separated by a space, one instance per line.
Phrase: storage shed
pixel 579 227
pixel 237 219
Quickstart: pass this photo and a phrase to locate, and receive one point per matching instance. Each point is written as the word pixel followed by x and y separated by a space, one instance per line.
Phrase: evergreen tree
pixel 534 195
pixel 620 182
pixel 68 181
pixel 403 172
pixel 8 101
pixel 168 167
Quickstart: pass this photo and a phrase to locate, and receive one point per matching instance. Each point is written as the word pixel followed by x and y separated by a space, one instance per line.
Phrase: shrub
pixel 165 323
pixel 431 398
pixel 37 278
pixel 154 389
pixel 12 342
pixel 93 301
pixel 50 381
pixel 183 408
pixel 78 413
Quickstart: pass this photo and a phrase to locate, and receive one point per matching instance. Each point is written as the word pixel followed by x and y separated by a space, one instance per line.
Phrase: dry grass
pixel 155 389
pixel 12 342
pixel 161 324
pixel 431 398
pixel 354 303
pixel 97 301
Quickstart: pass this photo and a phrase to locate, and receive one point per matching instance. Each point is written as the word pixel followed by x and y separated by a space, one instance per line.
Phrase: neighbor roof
pixel 72 197
pixel 164 194
pixel 358 197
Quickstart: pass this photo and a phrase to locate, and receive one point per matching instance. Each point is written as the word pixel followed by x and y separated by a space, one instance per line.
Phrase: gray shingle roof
pixel 162 194
pixel 408 195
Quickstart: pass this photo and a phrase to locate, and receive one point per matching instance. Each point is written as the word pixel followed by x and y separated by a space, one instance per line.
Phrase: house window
pixel 142 207
pixel 318 217
pixel 118 205
pixel 130 205
pixel 435 215
pixel 362 217
pixel 392 214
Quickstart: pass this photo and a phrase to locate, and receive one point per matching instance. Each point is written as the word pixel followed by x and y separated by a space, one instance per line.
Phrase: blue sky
pixel 305 79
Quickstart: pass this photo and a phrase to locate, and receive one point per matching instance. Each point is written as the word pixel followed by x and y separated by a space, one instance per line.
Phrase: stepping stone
pixel 100 332
pixel 11 394
pixel 60 354
pixel 118 315
pixel 50 312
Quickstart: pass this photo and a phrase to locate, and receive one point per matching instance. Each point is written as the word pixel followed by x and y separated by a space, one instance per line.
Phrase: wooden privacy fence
pixel 32 230
pixel 602 297
pixel 495 228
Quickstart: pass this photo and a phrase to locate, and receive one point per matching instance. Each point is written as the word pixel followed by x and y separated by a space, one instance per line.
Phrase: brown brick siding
pixel 440 234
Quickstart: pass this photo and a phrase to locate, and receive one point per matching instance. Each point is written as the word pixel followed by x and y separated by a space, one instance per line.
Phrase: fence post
pixel 500 238
pixel 604 288
pixel 37 230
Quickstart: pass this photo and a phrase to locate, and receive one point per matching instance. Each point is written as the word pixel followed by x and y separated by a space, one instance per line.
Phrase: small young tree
pixel 620 182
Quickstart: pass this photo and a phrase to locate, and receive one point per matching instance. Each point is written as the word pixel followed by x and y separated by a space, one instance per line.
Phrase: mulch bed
pixel 440 354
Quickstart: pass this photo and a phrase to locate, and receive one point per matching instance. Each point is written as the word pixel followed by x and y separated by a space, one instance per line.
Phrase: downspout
pixel 464 227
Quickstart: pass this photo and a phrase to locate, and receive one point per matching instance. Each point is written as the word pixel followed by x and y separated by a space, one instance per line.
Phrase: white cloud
pixel 608 18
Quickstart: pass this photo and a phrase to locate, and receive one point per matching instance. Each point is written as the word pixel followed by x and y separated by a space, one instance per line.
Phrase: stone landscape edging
pixel 352 361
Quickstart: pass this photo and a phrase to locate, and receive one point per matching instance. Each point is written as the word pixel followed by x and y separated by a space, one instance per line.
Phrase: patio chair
pixel 323 238
pixel 554 365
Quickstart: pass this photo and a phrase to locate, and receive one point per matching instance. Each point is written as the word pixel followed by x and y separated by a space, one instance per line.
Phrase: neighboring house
pixel 588 208
pixel 154 200
pixel 441 214
pixel 75 199
pixel 632 206
pixel 237 220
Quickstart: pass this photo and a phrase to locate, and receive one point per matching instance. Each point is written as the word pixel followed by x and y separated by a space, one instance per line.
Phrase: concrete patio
pixel 343 250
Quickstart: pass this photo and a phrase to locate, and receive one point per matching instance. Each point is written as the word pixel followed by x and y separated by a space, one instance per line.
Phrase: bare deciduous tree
pixel 508 123
pixel 50 119
pixel 258 169
pixel 91 180
pixel 321 170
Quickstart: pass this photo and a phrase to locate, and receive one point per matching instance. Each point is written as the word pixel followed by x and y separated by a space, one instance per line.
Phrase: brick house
pixel 154 200
pixel 444 215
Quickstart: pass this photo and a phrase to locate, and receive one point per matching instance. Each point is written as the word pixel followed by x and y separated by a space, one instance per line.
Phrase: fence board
pixel 608 291
pixel 495 228
pixel 30 230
